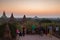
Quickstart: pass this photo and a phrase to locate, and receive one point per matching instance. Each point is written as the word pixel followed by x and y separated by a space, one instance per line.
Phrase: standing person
pixel 17 32
pixel 46 30
pixel 50 30
pixel 23 32
pixel 20 29
pixel 57 30
pixel 37 30
pixel 20 34
pixel 41 30
pixel 33 29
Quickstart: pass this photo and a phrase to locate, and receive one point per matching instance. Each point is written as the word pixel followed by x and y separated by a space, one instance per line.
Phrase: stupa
pixel 11 19
pixel 24 18
pixel 4 15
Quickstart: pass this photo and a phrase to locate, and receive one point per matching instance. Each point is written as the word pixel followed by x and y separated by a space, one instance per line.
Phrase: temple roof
pixel 11 19
pixel 36 17
pixel 4 15
pixel 12 16
pixel 24 18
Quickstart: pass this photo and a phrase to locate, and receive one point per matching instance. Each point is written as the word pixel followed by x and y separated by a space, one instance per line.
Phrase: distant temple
pixel 36 17
pixel 3 18
pixel 24 19
pixel 11 19
pixel 4 15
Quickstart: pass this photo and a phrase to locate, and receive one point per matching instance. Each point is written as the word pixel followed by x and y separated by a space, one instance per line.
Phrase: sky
pixel 31 8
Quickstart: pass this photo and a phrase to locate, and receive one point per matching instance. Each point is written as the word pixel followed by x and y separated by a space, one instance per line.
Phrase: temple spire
pixel 4 15
pixel 12 19
pixel 12 16
pixel 24 19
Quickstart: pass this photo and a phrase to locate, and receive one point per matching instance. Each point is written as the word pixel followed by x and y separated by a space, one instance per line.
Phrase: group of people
pixel 19 33
pixel 38 30
pixel 48 30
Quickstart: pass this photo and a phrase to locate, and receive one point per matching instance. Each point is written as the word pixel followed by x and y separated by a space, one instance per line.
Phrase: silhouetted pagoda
pixel 11 19
pixel 24 19
pixel 3 17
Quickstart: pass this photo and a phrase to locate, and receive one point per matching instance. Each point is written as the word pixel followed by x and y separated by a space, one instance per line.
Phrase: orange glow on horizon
pixel 30 7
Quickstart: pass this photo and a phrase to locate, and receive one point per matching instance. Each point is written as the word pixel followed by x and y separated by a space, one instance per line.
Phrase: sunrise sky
pixel 40 8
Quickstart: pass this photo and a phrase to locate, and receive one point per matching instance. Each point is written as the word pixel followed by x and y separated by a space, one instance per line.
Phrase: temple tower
pixel 24 18
pixel 11 19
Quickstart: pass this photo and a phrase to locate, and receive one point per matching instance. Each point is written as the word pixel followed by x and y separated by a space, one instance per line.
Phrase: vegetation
pixel 13 29
pixel 2 30
pixel 13 26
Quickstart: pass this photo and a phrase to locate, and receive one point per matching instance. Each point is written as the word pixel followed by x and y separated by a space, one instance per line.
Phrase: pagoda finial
pixel 12 15
pixel 12 18
pixel 4 13
pixel 24 17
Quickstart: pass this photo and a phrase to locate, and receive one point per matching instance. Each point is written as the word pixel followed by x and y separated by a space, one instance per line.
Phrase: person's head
pixel 56 25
